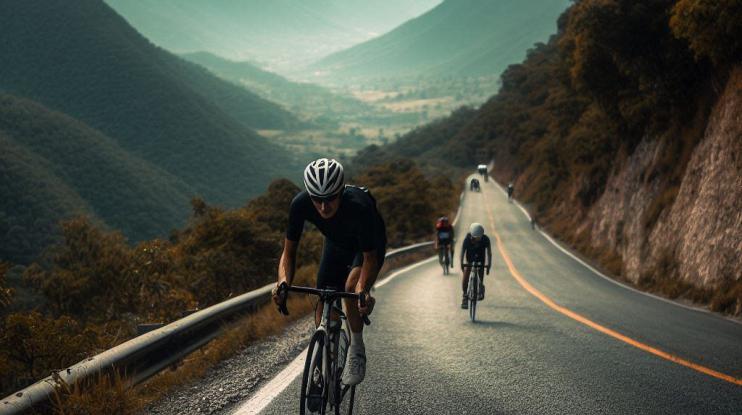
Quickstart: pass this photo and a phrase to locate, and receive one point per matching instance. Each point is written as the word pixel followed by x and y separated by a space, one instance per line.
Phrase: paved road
pixel 425 357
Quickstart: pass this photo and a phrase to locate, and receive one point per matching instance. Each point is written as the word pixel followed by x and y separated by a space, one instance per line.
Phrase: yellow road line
pixel 584 320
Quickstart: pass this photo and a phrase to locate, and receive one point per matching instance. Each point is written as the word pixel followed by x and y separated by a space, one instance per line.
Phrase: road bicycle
pixel 321 383
pixel 476 276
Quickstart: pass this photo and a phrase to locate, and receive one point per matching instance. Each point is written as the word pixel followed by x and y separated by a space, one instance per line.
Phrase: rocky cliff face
pixel 697 237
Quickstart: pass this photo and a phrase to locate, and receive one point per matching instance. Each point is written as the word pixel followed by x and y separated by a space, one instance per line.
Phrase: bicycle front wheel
pixel 313 383
pixel 473 296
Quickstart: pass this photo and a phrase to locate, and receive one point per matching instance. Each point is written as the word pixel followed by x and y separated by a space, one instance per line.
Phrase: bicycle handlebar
pixel 324 294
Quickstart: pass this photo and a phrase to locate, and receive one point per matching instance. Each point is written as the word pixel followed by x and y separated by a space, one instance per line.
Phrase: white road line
pixel 265 395
pixel 607 278
pixel 270 390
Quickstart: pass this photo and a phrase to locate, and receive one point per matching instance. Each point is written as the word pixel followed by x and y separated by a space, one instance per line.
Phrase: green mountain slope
pixel 458 37
pixel 300 98
pixel 54 167
pixel 86 61
pixel 283 33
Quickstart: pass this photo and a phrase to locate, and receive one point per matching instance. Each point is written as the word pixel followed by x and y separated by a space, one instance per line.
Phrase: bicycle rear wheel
pixel 447 264
pixel 314 391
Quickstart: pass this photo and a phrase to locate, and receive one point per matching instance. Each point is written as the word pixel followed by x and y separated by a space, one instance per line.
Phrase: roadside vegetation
pixel 89 291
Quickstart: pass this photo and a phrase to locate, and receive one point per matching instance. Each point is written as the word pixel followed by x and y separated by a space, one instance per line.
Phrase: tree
pixel 88 275
pixel 33 343
pixel 712 28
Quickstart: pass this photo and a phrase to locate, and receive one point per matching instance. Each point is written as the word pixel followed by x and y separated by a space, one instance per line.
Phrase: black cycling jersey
pixel 475 250
pixel 356 226
pixel 445 235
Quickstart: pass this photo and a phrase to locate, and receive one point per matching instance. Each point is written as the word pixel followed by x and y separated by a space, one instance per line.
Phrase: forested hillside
pixel 87 62
pixel 597 128
pixel 54 167
pixel 458 37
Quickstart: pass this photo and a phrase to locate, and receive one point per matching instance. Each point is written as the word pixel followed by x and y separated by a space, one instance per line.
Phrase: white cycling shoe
pixel 355 367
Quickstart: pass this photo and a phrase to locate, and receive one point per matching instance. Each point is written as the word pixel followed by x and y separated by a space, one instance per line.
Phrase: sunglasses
pixel 326 199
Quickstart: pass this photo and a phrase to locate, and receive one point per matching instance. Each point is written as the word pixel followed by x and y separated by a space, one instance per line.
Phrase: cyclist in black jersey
pixel 475 245
pixel 354 248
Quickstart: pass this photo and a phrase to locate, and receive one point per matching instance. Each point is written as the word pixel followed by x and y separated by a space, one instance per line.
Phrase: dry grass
pixel 265 322
pixel 109 395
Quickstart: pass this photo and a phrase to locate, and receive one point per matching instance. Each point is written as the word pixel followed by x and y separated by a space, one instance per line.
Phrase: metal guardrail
pixel 146 355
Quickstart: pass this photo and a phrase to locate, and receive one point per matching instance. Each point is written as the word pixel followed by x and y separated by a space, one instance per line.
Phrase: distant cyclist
pixel 444 239
pixel 510 191
pixel 474 185
pixel 482 168
pixel 473 249
pixel 354 248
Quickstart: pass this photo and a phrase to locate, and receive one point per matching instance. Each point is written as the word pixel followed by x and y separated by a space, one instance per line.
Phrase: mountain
pixel 458 37
pixel 86 61
pixel 283 33
pixel 622 137
pixel 54 167
pixel 300 98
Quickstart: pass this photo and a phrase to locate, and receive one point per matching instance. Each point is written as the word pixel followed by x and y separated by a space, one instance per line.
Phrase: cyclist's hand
pixel 367 306
pixel 280 292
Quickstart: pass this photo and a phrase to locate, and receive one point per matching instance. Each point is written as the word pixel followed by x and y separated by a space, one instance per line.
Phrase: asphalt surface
pixel 426 357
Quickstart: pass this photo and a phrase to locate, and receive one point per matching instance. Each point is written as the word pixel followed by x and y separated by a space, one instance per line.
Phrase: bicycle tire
pixel 447 263
pixel 318 338
pixel 474 286
pixel 338 367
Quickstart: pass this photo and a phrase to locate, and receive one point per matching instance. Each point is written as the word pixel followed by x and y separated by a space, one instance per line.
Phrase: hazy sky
pixel 278 33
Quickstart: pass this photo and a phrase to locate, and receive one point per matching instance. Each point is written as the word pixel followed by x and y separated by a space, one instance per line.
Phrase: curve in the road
pixel 586 321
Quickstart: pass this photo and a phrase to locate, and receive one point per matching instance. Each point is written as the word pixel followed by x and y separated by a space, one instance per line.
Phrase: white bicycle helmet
pixel 324 178
pixel 476 230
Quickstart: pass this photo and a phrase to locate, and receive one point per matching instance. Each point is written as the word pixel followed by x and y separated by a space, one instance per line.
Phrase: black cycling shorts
pixel 337 262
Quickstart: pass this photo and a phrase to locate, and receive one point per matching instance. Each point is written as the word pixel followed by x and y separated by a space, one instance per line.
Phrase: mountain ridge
pixel 87 62
pixel 454 38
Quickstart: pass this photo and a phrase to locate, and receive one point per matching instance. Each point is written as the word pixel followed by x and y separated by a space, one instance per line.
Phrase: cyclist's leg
pixel 333 271
pixel 465 280
pixel 356 361
pixel 351 306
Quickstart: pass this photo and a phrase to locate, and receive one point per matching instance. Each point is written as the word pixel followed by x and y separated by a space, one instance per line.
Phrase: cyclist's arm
pixel 489 254
pixel 463 253
pixel 369 271
pixel 287 264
